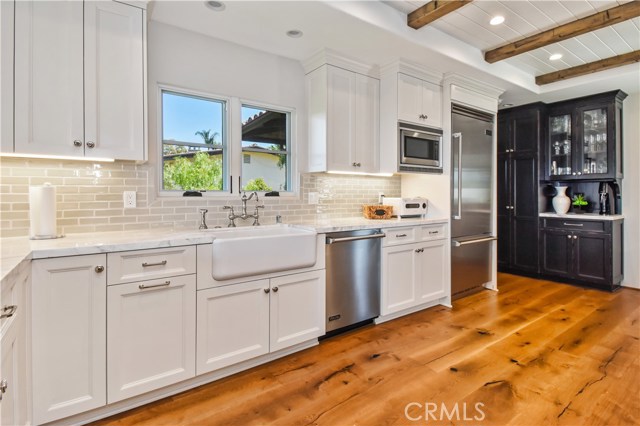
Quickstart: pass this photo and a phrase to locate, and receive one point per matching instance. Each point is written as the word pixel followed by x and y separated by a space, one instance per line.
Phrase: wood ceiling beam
pixel 433 10
pixel 591 67
pixel 566 31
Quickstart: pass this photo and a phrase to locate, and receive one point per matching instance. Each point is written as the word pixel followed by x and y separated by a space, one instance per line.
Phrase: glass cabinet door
pixel 560 150
pixel 594 143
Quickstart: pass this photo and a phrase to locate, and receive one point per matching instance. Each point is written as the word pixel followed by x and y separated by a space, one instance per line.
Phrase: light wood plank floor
pixel 536 353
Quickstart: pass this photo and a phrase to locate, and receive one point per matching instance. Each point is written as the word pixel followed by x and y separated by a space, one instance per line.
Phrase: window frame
pixel 232 143
pixel 226 136
pixel 291 118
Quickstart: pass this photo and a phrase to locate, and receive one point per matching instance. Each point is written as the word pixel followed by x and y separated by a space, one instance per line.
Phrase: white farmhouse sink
pixel 243 252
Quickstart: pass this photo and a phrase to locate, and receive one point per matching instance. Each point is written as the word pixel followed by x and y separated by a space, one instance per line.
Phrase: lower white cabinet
pixel 233 324
pixel 415 273
pixel 238 322
pixel 297 309
pixel 12 370
pixel 150 335
pixel 68 336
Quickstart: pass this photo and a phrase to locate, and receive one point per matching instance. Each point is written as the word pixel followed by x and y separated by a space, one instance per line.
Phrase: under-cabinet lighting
pixel 497 20
pixel 58 157
pixel 360 173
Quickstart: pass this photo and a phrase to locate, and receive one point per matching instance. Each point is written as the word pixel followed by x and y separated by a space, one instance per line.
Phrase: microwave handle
pixel 458 216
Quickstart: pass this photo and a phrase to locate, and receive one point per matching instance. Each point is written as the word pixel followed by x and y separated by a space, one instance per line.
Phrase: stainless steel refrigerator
pixel 471 200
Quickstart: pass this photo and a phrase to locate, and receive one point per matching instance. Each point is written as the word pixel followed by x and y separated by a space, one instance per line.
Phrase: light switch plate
pixel 129 198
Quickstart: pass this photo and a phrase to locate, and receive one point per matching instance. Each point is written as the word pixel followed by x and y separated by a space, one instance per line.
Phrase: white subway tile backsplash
pixel 90 198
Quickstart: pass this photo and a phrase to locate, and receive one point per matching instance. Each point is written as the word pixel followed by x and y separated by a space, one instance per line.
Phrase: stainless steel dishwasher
pixel 353 278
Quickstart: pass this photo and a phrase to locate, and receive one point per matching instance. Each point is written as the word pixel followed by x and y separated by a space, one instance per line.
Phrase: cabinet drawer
pixel 138 265
pixel 575 225
pixel 395 236
pixel 433 232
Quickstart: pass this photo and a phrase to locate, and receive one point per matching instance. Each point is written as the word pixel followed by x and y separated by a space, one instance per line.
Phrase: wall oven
pixel 420 149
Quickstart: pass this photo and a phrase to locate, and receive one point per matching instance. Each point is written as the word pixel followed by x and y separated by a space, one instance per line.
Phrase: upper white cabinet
pixel 419 101
pixel 79 79
pixel 411 94
pixel 344 110
pixel 68 336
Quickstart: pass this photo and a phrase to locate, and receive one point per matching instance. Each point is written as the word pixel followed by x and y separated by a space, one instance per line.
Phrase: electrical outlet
pixel 314 198
pixel 129 198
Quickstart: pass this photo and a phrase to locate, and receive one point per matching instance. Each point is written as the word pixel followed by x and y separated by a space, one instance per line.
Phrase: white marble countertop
pixel 17 249
pixel 582 216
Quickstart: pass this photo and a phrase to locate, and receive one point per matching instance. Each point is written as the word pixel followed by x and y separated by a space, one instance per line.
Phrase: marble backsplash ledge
pixel 89 197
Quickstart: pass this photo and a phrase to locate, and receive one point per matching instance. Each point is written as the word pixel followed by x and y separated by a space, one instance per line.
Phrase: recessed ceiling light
pixel 294 33
pixel 555 56
pixel 507 105
pixel 218 6
pixel 497 20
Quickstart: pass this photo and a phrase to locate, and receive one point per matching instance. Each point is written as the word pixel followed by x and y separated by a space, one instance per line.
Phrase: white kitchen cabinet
pixel 68 336
pixel 233 324
pixel 344 110
pixel 79 79
pixel 297 309
pixel 151 328
pixel 10 366
pixel 238 322
pixel 13 365
pixel 419 101
pixel 6 75
pixel 399 277
pixel 413 273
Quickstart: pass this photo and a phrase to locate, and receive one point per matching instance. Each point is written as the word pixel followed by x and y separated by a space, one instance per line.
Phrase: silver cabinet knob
pixel 8 311
pixel 575 237
pixel 579 173
pixel 569 236
pixel 3 387
pixel 574 173
pixel 77 142
pixel 354 164
pixel 267 290
pixel 275 289
pixel 99 268
pixel 91 144
pixel 358 164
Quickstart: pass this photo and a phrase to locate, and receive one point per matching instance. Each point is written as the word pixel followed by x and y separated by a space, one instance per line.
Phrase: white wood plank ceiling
pixel 470 24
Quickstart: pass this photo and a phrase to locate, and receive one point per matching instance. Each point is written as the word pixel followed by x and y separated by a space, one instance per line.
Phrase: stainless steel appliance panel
pixel 470 266
pixel 353 277
pixel 472 156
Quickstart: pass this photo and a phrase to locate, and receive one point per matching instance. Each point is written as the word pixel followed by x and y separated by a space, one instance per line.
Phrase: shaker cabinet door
pixel 68 305
pixel 49 110
pixel 151 335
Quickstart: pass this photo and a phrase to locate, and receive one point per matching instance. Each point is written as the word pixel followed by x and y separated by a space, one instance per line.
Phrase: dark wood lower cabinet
pixel 587 252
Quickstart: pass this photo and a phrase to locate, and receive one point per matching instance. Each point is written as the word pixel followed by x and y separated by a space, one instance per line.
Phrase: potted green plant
pixel 579 203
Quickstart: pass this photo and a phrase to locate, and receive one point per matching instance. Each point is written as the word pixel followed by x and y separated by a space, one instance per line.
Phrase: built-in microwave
pixel 420 149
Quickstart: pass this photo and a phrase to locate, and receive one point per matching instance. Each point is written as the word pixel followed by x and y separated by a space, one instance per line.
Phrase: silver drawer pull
pixel 8 311
pixel 400 235
pixel 144 287
pixel 145 264
pixel 433 232
pixel 573 224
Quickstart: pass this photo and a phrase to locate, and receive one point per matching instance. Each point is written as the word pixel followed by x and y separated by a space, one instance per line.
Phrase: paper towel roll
pixel 42 211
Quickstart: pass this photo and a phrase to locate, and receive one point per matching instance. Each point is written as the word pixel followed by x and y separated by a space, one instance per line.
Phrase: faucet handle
pixel 260 206
pixel 227 208
pixel 204 211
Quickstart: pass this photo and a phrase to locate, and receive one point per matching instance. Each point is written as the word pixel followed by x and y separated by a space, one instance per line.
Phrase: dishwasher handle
pixel 331 240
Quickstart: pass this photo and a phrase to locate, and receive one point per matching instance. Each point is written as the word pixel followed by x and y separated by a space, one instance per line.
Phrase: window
pixel 199 153
pixel 193 143
pixel 266 149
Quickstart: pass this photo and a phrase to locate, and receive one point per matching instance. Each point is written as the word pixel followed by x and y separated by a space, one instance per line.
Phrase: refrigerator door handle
pixel 459 189
pixel 479 240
